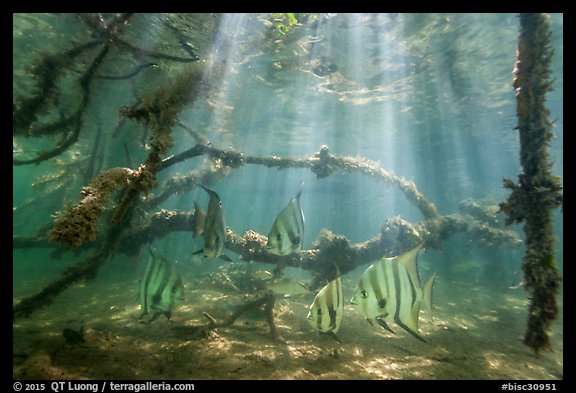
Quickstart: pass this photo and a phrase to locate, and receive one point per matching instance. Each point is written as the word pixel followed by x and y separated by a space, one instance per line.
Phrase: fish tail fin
pixel 427 298
pixel 335 337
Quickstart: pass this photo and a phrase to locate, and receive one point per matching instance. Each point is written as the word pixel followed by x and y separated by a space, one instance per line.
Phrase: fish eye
pixel 279 237
pixel 319 311
pixel 364 294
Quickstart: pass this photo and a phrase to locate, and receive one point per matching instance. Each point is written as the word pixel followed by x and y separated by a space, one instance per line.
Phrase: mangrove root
pixel 264 299
pixel 79 223
pixel 538 192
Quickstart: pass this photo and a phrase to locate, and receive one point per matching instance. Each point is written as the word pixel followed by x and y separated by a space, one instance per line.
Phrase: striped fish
pixel 325 313
pixel 390 290
pixel 160 289
pixel 214 228
pixel 287 233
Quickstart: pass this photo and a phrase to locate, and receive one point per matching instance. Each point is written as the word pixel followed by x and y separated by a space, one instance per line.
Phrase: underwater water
pixel 119 118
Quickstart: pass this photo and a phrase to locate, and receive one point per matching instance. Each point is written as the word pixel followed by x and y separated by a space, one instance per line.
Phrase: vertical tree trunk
pixel 538 192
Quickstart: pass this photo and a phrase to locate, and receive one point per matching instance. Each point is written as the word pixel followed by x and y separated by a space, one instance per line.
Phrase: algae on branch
pixel 538 192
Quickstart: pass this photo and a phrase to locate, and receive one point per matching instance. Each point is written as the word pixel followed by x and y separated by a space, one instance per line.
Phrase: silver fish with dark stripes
pixel 287 233
pixel 214 228
pixel 161 288
pixel 325 312
pixel 389 290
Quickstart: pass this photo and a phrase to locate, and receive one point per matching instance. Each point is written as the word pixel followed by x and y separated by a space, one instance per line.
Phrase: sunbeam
pixel 277 195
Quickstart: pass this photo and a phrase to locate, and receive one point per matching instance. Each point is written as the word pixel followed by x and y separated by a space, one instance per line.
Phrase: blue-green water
pixel 427 96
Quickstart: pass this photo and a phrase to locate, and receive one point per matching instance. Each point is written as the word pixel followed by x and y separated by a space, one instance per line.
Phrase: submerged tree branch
pixel 49 71
pixel 266 299
pixel 74 122
pixel 46 73
pixel 261 299
pixel 395 237
pixel 84 269
pixel 322 163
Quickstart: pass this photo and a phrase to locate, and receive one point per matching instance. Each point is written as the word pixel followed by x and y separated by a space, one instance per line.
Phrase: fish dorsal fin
pixel 210 192
pixel 297 197
pixel 296 200
pixel 214 204
pixel 408 260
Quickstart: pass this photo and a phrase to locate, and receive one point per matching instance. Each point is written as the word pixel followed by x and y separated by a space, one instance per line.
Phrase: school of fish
pixel 388 291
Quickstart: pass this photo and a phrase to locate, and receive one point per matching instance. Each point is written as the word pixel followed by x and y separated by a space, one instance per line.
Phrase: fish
pixel 288 287
pixel 199 221
pixel 263 275
pixel 287 233
pixel 325 312
pixel 518 285
pixel 161 288
pixel 389 289
pixel 214 228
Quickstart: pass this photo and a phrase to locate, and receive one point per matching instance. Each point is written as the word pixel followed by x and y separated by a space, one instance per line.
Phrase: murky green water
pixel 420 98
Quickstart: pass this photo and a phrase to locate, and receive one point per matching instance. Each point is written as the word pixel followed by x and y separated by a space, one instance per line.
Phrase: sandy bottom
pixel 476 334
